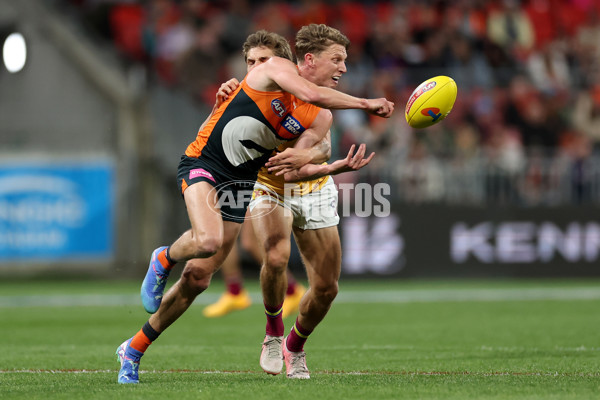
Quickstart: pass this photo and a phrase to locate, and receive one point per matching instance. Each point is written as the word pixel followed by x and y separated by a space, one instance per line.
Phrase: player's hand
pixel 225 90
pixel 288 160
pixel 352 162
pixel 380 107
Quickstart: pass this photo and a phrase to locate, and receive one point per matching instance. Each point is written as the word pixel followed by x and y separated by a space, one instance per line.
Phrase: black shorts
pixel 232 195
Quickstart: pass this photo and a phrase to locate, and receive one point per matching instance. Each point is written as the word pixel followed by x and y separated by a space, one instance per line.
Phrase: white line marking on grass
pixel 347 297
pixel 361 373
pixel 535 349
pixel 463 295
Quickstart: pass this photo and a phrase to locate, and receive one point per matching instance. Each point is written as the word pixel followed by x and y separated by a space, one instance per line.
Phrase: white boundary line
pixel 363 373
pixel 344 297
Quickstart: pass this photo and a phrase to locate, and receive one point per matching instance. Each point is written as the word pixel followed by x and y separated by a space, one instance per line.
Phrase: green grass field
pixel 381 340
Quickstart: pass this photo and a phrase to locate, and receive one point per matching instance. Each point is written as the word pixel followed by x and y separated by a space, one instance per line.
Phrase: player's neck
pixel 307 73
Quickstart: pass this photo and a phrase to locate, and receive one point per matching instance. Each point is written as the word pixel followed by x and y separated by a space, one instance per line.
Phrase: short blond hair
pixel 274 41
pixel 315 38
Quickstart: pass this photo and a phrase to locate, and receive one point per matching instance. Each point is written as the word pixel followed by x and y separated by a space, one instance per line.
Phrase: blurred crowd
pixel 528 76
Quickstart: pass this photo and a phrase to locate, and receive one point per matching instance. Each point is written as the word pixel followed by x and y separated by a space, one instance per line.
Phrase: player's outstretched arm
pixel 352 162
pixel 284 75
pixel 321 152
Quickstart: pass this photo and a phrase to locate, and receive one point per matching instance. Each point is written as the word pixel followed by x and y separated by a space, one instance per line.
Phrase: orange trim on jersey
pixel 184 185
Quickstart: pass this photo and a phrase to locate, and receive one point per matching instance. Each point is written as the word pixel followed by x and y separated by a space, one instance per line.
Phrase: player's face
pixel 330 64
pixel 257 56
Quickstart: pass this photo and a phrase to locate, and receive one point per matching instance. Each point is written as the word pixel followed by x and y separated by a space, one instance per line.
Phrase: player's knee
pixel 276 261
pixel 325 292
pixel 207 246
pixel 195 280
pixel 277 253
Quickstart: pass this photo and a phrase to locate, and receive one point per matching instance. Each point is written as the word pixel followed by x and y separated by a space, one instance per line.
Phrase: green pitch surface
pixel 381 340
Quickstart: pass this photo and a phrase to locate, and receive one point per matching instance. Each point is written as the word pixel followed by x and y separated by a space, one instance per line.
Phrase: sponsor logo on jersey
pixel 278 107
pixel 292 125
pixel 417 93
pixel 201 172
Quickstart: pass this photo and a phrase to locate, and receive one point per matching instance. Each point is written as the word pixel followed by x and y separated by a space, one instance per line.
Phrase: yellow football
pixel 431 102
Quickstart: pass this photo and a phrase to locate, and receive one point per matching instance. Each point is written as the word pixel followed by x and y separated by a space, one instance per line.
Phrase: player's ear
pixel 309 59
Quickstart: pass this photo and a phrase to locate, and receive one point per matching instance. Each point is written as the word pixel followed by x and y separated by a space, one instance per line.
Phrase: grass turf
pixel 426 349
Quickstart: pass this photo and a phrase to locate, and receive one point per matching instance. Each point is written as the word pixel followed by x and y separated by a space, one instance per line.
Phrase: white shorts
pixel 314 210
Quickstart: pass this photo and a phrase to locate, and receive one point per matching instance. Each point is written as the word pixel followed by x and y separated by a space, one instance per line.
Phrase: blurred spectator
pixel 351 17
pixel 310 12
pixel 199 69
pixel 175 38
pixel 542 14
pixel 549 69
pixel 579 152
pixel 504 67
pixel 586 115
pixel 468 17
pixel 467 144
pixel 236 26
pixel 273 16
pixel 420 177
pixel 505 157
pixel 467 66
pixel 160 15
pixel 587 45
pixel 525 111
pixel 510 27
